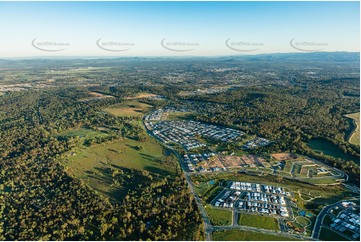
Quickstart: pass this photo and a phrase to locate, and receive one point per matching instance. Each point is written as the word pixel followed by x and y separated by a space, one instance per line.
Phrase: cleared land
pixel 142 95
pixel 83 133
pixel 355 136
pixel 284 156
pixel 129 108
pixel 219 216
pixel 240 235
pixel 215 162
pixel 179 116
pixel 231 161
pixel 95 164
pixel 258 221
pixel 95 96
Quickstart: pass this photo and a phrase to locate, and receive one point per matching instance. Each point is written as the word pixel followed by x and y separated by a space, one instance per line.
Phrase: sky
pixel 176 28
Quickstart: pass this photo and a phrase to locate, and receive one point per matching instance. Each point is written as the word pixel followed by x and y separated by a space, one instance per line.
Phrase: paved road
pixel 282 225
pixel 318 224
pixel 234 218
pixel 317 228
pixel 207 224
pixel 208 228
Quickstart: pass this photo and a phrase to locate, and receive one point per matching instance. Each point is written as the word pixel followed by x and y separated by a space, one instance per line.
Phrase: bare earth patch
pixel 95 96
pixel 284 156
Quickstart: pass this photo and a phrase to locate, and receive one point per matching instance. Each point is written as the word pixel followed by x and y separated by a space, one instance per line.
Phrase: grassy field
pixel 323 181
pixel 219 216
pixel 329 235
pixel 129 108
pixel 94 164
pixel 180 115
pixel 303 221
pixel 355 136
pixel 257 221
pixel 288 166
pixel 296 169
pixel 202 187
pixel 239 235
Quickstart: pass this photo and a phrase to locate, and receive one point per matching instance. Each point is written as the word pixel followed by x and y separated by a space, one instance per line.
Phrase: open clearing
pixel 240 235
pixel 258 221
pixel 231 161
pixel 355 136
pixel 129 108
pixel 179 116
pixel 95 96
pixel 219 216
pixel 142 95
pixel 284 156
pixel 214 162
pixel 94 164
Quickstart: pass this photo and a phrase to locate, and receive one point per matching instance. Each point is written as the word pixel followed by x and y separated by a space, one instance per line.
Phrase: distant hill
pixel 346 57
pixel 312 56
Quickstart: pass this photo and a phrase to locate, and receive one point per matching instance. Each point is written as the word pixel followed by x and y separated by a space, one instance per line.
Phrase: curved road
pixel 318 224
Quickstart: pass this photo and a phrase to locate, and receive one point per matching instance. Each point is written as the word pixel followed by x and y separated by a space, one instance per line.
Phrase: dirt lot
pixel 215 162
pixel 204 164
pixel 232 161
pixel 284 156
pixel 236 161
pixel 252 160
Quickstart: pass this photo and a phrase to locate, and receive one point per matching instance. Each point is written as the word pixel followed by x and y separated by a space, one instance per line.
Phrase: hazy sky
pixel 186 28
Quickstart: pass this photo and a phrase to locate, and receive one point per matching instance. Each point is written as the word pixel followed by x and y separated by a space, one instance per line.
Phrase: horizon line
pixel 170 56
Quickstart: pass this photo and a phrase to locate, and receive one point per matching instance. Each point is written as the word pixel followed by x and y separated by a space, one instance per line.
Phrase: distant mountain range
pixel 311 56
pixel 352 57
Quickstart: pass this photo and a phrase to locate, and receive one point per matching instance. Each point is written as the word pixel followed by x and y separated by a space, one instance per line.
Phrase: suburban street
pixel 318 224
